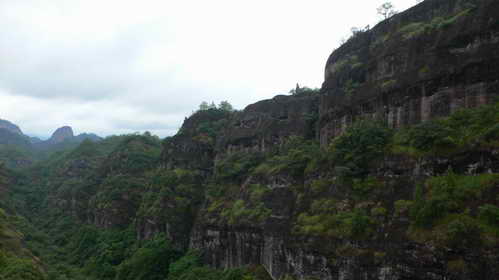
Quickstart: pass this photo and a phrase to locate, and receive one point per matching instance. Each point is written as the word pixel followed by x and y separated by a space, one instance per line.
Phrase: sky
pixel 122 66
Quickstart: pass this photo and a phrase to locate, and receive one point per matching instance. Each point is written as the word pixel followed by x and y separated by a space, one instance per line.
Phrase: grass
pixel 388 84
pixel 416 29
pixel 351 61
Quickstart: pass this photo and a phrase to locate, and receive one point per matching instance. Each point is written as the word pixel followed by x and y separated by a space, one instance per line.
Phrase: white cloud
pixel 117 66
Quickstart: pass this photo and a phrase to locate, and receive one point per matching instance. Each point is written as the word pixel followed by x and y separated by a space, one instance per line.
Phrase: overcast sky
pixel 114 67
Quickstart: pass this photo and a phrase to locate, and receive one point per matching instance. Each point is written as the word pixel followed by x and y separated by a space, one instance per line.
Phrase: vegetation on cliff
pixel 422 199
pixel 87 206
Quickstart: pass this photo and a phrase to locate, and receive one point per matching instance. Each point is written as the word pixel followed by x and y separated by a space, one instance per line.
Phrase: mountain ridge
pixel 390 172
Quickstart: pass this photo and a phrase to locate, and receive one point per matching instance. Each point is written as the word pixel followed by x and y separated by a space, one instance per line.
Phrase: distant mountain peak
pixel 10 127
pixel 61 134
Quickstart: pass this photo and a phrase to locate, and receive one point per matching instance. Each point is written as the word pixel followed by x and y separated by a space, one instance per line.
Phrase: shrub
pixel 189 267
pixel 362 187
pixel 402 206
pixel 489 214
pixel 296 157
pixel 236 166
pixel 320 186
pixel 464 129
pixel 241 213
pixel 150 262
pixel 322 221
pixel 15 268
pixel 379 211
pixel 359 146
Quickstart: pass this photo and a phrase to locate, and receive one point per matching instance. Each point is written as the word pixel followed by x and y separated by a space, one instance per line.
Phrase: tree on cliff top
pixel 303 90
pixel 386 10
pixel 223 106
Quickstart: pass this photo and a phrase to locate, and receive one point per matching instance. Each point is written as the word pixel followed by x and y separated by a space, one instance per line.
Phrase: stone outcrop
pixel 193 147
pixel 61 134
pixel 391 255
pixel 268 123
pixel 424 63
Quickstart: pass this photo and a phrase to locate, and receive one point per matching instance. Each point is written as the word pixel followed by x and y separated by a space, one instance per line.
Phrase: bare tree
pixel 386 10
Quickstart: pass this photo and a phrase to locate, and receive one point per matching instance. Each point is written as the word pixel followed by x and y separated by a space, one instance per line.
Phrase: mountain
pixel 15 148
pixel 84 136
pixel 62 139
pixel 65 134
pixel 35 140
pixel 20 150
pixel 61 134
pixel 10 127
pixel 391 171
pixel 427 62
pixel 16 260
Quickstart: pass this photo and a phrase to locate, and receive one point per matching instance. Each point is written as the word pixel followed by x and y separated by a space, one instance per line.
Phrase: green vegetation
pixel 445 211
pixel 120 209
pixel 448 194
pixel 464 130
pixel 356 149
pixel 223 106
pixel 237 165
pixel 380 41
pixel 389 84
pixel 239 213
pixel 119 180
pixel 415 29
pixel 150 262
pixel 15 268
pixel 304 90
pixel 325 221
pixel 295 158
pixel 347 63
pixel 424 71
pixel 16 262
pixel 189 267
pixel 350 87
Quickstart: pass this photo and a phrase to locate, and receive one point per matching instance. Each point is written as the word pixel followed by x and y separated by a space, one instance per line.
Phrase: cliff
pixel 268 123
pixel 348 210
pixel 426 62
pixel 390 172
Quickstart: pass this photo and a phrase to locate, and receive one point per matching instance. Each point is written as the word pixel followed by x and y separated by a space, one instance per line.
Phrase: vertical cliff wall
pixel 426 62
pixel 268 123
pixel 269 204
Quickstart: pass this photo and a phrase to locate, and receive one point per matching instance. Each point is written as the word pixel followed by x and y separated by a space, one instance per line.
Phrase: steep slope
pixel 419 203
pixel 375 203
pixel 15 149
pixel 61 134
pixel 391 172
pixel 426 62
pixel 16 261
pixel 21 151
pixel 116 191
pixel 62 139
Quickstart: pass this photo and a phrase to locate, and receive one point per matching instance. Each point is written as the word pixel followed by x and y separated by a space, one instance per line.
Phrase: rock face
pixel 389 256
pixel 193 147
pixel 426 62
pixel 64 136
pixel 268 123
pixel 254 187
pixel 61 134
